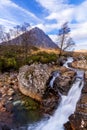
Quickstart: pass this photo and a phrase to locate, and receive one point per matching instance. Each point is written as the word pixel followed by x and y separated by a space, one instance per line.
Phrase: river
pixel 66 107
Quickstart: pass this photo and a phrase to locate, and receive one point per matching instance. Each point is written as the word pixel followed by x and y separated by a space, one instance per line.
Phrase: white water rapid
pixel 67 105
pixel 55 75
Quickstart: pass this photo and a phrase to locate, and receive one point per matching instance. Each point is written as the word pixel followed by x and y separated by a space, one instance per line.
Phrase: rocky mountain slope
pixel 35 37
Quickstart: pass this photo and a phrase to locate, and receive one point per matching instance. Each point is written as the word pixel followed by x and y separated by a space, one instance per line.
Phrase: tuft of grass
pixel 42 57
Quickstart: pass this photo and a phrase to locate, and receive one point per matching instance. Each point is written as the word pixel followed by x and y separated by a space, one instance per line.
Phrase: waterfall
pixel 69 60
pixel 55 75
pixel 66 107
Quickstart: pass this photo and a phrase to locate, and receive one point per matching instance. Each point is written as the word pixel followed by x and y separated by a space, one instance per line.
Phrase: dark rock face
pixel 50 103
pixel 76 122
pixel 67 126
pixel 63 83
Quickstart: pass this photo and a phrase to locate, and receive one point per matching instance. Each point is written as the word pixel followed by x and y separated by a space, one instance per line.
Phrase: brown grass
pixel 56 51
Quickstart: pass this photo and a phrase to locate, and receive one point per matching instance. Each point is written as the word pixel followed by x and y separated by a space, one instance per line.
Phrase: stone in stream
pixel 63 83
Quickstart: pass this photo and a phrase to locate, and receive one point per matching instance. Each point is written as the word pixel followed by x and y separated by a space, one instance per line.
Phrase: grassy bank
pixel 12 57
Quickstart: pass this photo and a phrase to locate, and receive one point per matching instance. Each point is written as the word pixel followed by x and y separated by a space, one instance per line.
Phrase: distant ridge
pixel 82 51
pixel 35 37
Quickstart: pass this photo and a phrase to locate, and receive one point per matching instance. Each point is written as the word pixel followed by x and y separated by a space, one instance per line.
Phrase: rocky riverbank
pixel 80 64
pixel 78 121
pixel 8 88
pixel 13 103
pixel 34 81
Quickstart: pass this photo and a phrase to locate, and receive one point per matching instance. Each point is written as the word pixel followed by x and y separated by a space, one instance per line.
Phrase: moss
pixel 29 103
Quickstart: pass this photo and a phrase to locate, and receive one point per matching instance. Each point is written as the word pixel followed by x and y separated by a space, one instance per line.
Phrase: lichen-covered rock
pixel 32 80
pixel 80 64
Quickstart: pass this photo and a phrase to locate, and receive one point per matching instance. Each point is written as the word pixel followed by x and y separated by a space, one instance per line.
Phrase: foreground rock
pixel 63 83
pixel 32 80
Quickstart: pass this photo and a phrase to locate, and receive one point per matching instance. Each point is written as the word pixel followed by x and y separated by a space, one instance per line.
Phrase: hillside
pixel 35 37
pixel 81 51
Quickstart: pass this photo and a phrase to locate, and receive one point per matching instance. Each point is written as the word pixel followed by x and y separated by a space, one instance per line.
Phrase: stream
pixel 67 105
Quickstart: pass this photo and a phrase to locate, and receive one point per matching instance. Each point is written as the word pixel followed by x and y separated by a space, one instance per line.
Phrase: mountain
pixel 35 37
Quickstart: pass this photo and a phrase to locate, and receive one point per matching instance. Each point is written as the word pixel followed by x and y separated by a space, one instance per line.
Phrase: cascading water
pixel 55 75
pixel 67 105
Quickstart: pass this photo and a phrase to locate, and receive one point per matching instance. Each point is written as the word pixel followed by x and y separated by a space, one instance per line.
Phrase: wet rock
pixel 67 126
pixel 50 104
pixel 32 80
pixel 62 60
pixel 63 83
pixel 76 122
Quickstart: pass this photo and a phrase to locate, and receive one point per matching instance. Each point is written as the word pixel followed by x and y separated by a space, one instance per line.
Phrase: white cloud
pixel 9 11
pixel 80 12
pixel 47 27
pixel 79 32
pixel 58 10
pixel 62 11
pixel 5 21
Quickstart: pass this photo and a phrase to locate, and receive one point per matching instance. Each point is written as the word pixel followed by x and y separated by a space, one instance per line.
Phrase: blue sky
pixel 48 15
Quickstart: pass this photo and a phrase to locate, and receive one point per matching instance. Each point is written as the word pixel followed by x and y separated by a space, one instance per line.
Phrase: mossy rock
pixel 29 103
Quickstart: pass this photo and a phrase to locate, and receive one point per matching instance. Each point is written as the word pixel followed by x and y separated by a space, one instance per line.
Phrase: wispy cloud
pixel 62 11
pixel 13 13
pixel 59 11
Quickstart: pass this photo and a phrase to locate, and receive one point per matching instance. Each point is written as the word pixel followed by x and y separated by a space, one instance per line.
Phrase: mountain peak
pixel 38 38
pixel 35 37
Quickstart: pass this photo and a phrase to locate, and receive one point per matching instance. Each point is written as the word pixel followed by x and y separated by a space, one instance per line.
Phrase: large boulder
pixel 80 64
pixel 32 80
